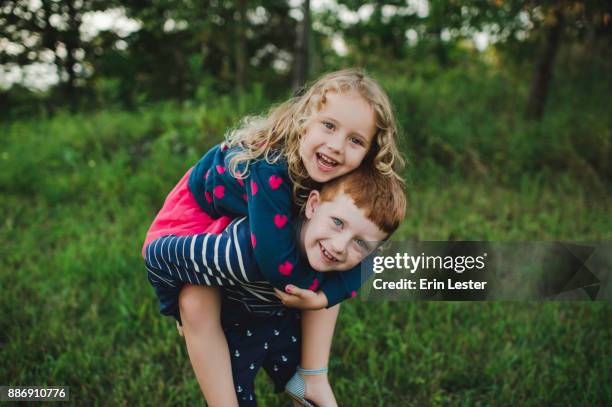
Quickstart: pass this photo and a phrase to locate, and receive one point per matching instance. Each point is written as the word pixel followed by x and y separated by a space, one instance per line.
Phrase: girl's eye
pixel 361 244
pixel 328 125
pixel 356 140
pixel 337 221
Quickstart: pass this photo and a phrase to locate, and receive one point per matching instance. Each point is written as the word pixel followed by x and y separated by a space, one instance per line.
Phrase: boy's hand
pixel 296 297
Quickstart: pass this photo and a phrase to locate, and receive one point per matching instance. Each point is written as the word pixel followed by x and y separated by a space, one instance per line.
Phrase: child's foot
pixel 319 391
pixel 308 386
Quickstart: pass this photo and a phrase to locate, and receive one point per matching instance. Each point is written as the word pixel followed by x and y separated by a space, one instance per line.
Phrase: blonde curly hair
pixel 278 134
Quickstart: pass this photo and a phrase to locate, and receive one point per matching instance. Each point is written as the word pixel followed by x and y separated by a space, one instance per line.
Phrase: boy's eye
pixel 328 125
pixel 337 221
pixel 361 244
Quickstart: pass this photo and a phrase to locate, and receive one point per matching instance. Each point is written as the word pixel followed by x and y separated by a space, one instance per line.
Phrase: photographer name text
pixel 404 262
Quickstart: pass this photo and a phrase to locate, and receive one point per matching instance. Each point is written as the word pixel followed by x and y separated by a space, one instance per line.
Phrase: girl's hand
pixel 296 297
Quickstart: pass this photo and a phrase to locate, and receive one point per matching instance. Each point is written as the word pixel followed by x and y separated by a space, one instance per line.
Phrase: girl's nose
pixel 334 142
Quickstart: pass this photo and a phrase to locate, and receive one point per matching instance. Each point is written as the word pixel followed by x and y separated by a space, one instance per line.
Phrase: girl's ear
pixel 312 203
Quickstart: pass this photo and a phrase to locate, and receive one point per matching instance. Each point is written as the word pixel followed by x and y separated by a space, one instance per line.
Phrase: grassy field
pixel 78 193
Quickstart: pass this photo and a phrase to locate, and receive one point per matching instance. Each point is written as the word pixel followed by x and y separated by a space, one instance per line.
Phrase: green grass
pixel 78 193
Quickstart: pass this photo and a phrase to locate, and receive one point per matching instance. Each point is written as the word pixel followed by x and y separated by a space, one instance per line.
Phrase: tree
pixel 48 32
pixel 544 64
pixel 241 61
pixel 302 55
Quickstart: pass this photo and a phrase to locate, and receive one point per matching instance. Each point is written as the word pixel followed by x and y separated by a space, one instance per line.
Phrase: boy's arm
pixel 222 257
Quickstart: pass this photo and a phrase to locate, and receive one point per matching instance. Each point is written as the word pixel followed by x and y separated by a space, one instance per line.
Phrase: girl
pixel 267 165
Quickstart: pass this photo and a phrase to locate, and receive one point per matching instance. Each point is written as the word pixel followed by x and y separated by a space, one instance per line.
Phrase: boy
pixel 342 224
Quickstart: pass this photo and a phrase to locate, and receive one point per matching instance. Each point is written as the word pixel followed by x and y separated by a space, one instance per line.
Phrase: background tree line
pixel 424 52
pixel 228 45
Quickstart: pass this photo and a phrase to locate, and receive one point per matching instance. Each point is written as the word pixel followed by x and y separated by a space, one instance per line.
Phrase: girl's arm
pixel 340 286
pixel 337 287
pixel 276 249
pixel 275 244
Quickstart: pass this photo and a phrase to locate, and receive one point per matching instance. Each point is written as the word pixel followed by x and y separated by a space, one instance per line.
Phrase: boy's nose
pixel 339 244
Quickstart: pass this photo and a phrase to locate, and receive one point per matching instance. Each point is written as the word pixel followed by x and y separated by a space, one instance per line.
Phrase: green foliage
pixel 465 119
pixel 80 190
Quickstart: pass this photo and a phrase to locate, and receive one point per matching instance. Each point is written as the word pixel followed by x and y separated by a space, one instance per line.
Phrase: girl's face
pixel 338 137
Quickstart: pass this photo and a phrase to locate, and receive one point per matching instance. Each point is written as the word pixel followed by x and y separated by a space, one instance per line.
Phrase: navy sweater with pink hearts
pixel 265 197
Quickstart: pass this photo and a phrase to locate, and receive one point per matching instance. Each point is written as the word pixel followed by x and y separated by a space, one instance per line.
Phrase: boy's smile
pixel 337 235
pixel 338 136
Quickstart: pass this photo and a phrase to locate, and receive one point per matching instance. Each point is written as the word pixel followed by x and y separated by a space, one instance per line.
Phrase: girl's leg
pixel 317 334
pixel 200 308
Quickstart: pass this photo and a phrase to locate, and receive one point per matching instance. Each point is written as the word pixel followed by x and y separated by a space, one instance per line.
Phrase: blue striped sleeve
pixel 205 259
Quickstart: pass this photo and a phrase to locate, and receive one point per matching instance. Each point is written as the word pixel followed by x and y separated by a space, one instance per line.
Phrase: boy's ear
pixel 312 203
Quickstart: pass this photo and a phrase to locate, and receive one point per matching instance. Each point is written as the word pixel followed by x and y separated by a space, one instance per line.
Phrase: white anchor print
pixel 266 345
pixel 283 358
pixel 276 332
pixel 249 333
pixel 236 353
pixel 275 368
pixel 239 389
pixel 293 338
pixel 252 366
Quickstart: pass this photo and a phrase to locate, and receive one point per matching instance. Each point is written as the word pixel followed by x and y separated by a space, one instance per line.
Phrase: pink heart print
pixel 280 220
pixel 253 240
pixel 314 285
pixel 285 269
pixel 208 196
pixel 219 191
pixel 275 181
pixel 220 169
pixel 253 188
pixel 353 294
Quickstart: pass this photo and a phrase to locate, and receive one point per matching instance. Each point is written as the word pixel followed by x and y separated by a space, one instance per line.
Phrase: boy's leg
pixel 200 308
pixel 317 334
pixel 251 337
pixel 283 357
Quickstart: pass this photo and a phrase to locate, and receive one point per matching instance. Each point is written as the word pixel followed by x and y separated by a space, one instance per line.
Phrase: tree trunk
pixel 544 67
pixel 241 47
pixel 71 42
pixel 301 60
pixel 50 40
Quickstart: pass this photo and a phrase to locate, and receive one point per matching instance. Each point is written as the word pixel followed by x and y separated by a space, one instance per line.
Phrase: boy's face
pixel 338 137
pixel 337 235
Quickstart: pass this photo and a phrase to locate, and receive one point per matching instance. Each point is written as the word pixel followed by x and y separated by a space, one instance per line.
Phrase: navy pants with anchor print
pixel 256 341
